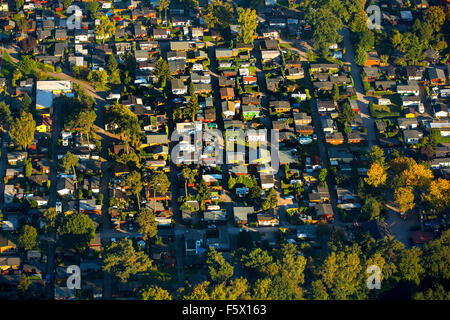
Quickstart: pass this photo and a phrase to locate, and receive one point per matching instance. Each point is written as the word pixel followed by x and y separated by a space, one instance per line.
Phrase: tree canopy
pixel 77 231
pixel 22 130
pixel 122 260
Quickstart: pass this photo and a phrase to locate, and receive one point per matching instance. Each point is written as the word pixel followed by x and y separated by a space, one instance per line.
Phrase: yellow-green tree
pixel 376 176
pixel 438 195
pixel 22 130
pixel 436 17
pixel 404 198
pixel 219 14
pixel 154 292
pixel 105 29
pixel 340 273
pixel 417 175
pixel 248 20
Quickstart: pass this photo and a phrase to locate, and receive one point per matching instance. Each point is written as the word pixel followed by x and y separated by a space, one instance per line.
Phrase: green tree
pixel 27 65
pixel 325 25
pixel 25 103
pixel 85 123
pixel 219 269
pixel 256 260
pixel 366 40
pixel 105 29
pixel 436 257
pixel 70 161
pixel 5 114
pixel 198 292
pixel 360 56
pixel 248 21
pixel 435 16
pixel 50 219
pixel 291 264
pixel 283 289
pixel 164 5
pixel 112 63
pixel 237 289
pixel 154 292
pixel 371 208
pixel 24 284
pixel 28 168
pixel 376 155
pixel 271 200
pixel 193 106
pixel 16 76
pixel 77 231
pixel 323 176
pixel 19 4
pixel 424 31
pixel 409 266
pixel 122 260
pixel 218 15
pixel 346 114
pixel 436 293
pixel 336 94
pixel 115 77
pixel 127 124
pixel 22 24
pixel 158 182
pixel 261 289
pixel 102 77
pixel 162 71
pixel 340 273
pixel 255 192
pixel 22 130
pixel 147 223
pixel 318 291
pixel 28 238
pixel 67 3
pixel 133 182
pixel 359 22
pixel 92 8
pixel 189 176
pixel 203 193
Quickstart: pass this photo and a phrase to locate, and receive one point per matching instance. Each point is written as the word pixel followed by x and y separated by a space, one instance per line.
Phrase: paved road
pixel 220 124
pixel 363 101
pixel 56 132
pixel 178 229
pixel 13 52
pixel 3 165
pixel 105 232
pixel 323 151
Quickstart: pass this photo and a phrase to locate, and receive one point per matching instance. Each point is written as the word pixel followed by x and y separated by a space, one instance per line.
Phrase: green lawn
pixel 8 66
pixel 444 140
pixel 378 111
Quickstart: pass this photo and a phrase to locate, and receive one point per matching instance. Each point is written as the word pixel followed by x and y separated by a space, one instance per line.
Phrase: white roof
pixel 63 85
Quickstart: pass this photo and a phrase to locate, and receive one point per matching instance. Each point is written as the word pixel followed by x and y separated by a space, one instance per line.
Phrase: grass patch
pixel 379 112
pixel 8 66
pixel 286 45
pixel 444 140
